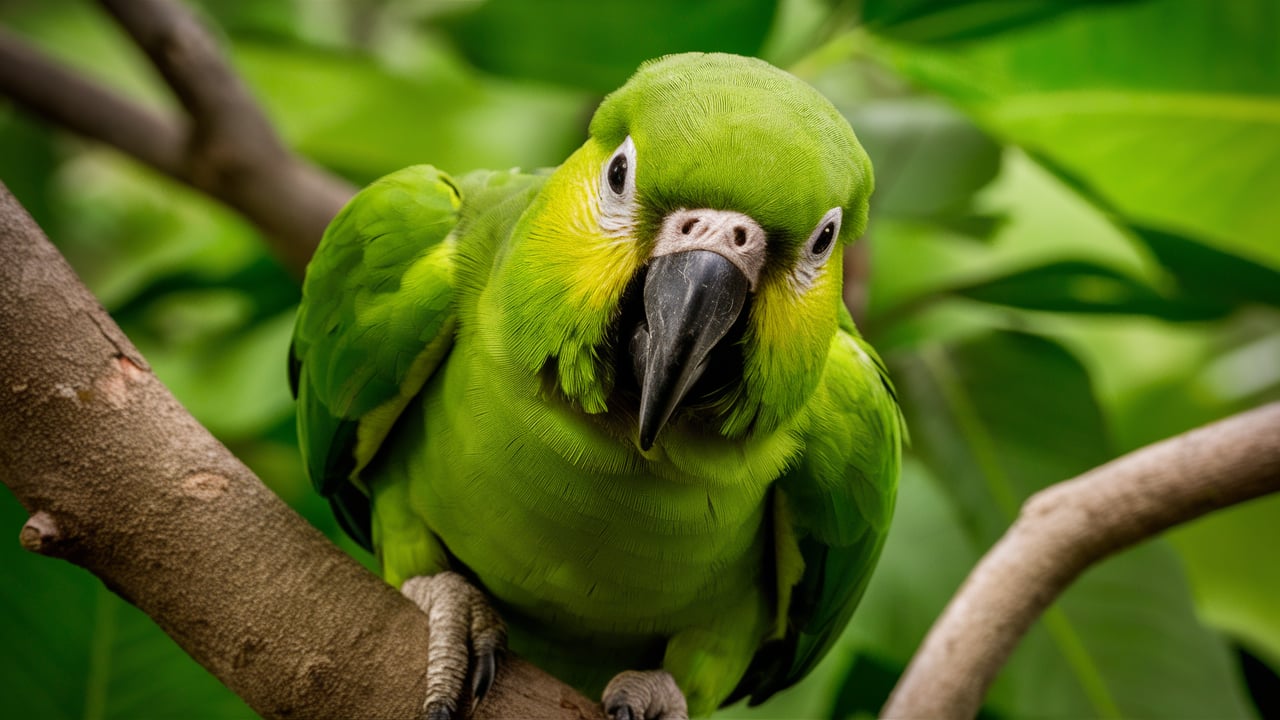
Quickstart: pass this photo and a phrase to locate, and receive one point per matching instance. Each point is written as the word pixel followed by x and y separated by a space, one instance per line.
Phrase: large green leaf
pixel 1236 369
pixel 353 113
pixel 1236 591
pixel 597 45
pixel 1083 287
pixel 1043 223
pixel 956 20
pixel 1001 415
pixel 929 160
pixel 79 652
pixel 1201 271
pixel 1180 128
pixel 1048 211
pixel 27 164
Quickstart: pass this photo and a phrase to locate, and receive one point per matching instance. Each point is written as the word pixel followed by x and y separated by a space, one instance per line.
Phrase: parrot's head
pixel 684 266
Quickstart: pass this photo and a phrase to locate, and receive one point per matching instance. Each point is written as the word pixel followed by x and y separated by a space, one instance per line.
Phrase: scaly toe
pixel 466 637
pixel 644 695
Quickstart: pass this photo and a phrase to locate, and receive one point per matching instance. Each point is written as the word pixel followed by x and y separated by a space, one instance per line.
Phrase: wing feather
pixel 376 321
pixel 831 513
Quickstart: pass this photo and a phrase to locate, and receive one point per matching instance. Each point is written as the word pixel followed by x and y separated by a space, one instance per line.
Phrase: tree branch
pixel 119 479
pixel 1064 529
pixel 60 96
pixel 225 146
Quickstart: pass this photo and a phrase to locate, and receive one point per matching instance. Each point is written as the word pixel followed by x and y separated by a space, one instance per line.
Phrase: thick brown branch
pixel 1063 530
pixel 120 479
pixel 226 146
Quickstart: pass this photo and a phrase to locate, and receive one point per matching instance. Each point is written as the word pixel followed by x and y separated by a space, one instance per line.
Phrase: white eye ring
pixel 824 236
pixel 817 248
pixel 617 190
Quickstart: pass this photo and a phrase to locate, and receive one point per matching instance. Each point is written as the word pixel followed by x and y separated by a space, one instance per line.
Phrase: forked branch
pixel 223 144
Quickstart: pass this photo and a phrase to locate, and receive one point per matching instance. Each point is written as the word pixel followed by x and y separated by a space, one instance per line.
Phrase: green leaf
pixel 1041 222
pixel 1000 416
pixel 230 376
pixel 597 45
pixel 1003 414
pixel 124 230
pixel 1205 271
pixel 1235 591
pixel 1085 287
pixel 349 112
pixel 1179 128
pixel 79 652
pixel 955 20
pixel 929 160
pixel 27 164
pixel 1201 270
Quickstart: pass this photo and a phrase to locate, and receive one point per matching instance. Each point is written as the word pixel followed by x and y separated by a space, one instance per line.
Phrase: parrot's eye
pixel 618 173
pixel 817 249
pixel 620 170
pixel 617 194
pixel 824 235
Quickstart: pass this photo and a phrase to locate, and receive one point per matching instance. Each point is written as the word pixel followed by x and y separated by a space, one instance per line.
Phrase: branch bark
pixel 120 479
pixel 1068 527
pixel 224 145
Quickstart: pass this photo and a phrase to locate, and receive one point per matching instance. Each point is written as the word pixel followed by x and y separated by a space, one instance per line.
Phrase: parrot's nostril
pixel 733 235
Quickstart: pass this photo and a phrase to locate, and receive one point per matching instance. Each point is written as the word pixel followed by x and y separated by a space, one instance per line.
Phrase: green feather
pixel 375 321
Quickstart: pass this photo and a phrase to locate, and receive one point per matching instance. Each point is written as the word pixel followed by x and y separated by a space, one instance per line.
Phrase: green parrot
pixel 615 415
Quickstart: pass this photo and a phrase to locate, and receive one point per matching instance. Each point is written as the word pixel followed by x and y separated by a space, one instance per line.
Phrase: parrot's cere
pixel 620 403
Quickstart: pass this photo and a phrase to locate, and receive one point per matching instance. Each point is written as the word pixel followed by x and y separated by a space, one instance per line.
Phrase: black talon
pixel 439 711
pixel 622 712
pixel 486 669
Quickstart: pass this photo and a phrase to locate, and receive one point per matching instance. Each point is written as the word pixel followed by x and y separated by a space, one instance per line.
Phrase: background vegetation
pixel 1073 253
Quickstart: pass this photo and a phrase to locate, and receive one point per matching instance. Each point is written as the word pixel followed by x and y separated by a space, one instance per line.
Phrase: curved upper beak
pixel 704 264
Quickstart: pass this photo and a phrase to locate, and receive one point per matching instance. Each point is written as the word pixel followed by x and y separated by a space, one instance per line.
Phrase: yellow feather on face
pixel 566 256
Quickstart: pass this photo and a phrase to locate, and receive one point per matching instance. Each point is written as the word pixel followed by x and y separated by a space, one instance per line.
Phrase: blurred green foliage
pixel 1074 253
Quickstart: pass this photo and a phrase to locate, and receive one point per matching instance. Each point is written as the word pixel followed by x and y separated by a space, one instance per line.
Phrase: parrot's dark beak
pixel 691 301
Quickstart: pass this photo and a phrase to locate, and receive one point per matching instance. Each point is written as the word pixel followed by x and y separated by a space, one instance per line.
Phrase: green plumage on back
pixel 624 398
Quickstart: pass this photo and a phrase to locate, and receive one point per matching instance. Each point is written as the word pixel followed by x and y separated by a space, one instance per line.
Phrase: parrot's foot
pixel 649 695
pixel 466 637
